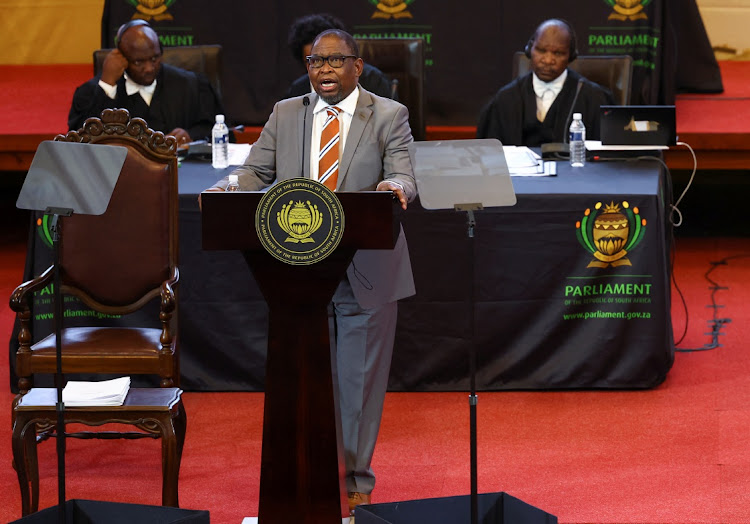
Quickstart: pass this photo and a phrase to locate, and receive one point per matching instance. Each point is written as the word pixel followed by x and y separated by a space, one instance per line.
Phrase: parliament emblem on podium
pixel 391 8
pixel 610 232
pixel 156 9
pixel 628 9
pixel 299 221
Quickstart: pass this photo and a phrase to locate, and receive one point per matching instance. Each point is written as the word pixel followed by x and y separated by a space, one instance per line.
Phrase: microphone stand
pixel 305 104
pixel 561 149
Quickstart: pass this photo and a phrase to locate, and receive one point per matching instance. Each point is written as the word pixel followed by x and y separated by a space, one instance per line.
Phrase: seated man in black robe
pixel 169 99
pixel 301 35
pixel 536 108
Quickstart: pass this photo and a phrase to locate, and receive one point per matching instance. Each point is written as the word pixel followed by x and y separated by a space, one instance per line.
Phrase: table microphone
pixel 305 103
pixel 555 149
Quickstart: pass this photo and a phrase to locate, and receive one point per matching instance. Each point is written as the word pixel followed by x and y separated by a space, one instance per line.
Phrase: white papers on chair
pixel 522 161
pixel 103 393
pixel 238 153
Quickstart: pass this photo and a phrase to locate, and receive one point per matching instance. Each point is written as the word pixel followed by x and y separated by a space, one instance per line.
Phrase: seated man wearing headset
pixel 169 99
pixel 535 109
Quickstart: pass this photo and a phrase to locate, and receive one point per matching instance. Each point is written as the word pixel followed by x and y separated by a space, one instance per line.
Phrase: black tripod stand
pixel 66 178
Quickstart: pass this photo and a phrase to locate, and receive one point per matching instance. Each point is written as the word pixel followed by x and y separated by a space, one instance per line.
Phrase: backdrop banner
pixel 468 50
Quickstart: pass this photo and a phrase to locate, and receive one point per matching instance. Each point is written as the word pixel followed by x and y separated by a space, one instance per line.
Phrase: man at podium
pixel 350 140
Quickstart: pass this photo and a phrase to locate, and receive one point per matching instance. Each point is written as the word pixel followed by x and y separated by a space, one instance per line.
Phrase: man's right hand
pixel 114 66
pixel 214 189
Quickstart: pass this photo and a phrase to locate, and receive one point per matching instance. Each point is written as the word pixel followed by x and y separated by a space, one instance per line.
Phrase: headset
pixel 572 52
pixel 127 25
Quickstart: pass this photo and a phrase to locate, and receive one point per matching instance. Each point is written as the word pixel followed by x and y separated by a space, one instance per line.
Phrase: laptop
pixel 637 125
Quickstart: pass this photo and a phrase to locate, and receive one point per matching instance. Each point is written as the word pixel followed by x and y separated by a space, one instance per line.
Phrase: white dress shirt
pixel 147 92
pixel 546 93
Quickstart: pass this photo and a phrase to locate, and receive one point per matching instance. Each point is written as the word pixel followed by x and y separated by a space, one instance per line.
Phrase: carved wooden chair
pixel 115 263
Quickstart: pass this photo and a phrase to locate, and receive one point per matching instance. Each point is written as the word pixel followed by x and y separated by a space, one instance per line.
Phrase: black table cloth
pixel 545 317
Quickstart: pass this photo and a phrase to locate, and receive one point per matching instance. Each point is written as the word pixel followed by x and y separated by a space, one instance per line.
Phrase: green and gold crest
pixel 391 8
pixel 627 9
pixel 299 221
pixel 610 232
pixel 152 9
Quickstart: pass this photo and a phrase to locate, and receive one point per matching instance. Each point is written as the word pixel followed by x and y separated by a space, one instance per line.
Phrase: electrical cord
pixel 716 323
pixel 675 208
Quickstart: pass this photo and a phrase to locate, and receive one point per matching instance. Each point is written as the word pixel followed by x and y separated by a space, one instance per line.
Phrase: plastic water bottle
pixel 220 144
pixel 576 139
pixel 234 184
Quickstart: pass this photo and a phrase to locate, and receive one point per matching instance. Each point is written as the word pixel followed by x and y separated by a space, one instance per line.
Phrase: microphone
pixel 566 137
pixel 305 103
pixel 555 149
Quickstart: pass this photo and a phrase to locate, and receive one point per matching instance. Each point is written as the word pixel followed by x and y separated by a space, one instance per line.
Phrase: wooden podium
pixel 302 466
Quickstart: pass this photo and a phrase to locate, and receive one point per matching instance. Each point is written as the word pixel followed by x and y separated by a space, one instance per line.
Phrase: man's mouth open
pixel 328 85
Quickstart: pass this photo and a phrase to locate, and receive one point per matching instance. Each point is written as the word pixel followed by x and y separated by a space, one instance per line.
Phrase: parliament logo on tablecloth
pixel 44 229
pixel 299 221
pixel 610 232
pixel 627 9
pixel 152 9
pixel 391 8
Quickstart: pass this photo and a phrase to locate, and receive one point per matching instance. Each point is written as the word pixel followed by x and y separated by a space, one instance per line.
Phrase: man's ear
pixel 359 64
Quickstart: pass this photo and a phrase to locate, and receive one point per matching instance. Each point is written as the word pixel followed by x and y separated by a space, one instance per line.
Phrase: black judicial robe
pixel 511 114
pixel 181 99
pixel 372 79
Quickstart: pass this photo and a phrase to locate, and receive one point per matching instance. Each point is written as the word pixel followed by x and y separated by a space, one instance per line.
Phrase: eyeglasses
pixel 335 61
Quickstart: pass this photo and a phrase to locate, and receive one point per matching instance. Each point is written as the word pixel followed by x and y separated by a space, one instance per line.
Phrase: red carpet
pixel 675 454
pixel 726 112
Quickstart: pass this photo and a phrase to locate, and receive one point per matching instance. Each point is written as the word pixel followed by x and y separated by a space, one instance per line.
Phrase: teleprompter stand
pixel 302 467
pixel 67 178
pixel 468 176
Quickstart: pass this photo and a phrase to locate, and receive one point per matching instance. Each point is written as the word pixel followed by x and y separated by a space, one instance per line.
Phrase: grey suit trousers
pixel 362 347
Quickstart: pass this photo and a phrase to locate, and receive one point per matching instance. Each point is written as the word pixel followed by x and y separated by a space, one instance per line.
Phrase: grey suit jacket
pixel 376 149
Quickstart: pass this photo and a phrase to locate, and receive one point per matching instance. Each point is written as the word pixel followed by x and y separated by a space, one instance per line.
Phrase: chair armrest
pixel 19 299
pixel 168 298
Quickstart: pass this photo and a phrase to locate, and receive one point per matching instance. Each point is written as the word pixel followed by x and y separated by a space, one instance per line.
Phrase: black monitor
pixel 638 125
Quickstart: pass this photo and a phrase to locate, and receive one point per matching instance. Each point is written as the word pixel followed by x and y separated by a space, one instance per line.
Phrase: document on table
pixel 238 153
pixel 596 145
pixel 522 161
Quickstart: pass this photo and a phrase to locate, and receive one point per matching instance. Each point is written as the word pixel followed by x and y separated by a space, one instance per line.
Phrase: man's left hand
pixel 181 135
pixel 397 191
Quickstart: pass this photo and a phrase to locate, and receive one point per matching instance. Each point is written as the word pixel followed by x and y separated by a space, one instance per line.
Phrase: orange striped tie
pixel 328 161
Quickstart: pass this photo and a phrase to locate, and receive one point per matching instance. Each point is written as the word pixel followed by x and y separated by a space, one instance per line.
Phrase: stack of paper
pixel 104 393
pixel 238 153
pixel 523 161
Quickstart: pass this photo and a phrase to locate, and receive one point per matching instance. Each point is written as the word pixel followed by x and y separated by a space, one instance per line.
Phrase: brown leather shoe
pixel 355 499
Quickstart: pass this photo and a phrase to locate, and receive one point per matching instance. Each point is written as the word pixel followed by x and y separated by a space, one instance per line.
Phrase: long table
pixel 547 314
